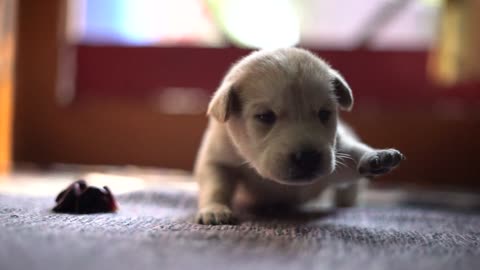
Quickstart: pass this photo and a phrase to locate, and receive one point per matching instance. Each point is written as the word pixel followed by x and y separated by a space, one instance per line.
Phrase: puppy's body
pixel 274 137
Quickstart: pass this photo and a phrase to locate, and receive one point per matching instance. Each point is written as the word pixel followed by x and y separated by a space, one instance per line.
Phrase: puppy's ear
pixel 224 103
pixel 342 91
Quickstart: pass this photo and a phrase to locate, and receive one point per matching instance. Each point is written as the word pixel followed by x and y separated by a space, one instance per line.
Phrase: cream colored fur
pixel 244 157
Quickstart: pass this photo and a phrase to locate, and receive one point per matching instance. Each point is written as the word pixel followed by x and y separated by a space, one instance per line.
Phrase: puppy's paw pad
pixel 215 215
pixel 379 161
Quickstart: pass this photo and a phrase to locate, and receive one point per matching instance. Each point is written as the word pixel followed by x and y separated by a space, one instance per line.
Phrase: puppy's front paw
pixel 215 214
pixel 379 162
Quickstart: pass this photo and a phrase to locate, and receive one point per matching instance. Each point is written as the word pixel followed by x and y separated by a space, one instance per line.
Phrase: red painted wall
pixel 388 78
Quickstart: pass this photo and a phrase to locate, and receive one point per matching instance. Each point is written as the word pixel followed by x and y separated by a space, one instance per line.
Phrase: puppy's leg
pixel 367 162
pixel 370 162
pixel 347 196
pixel 216 188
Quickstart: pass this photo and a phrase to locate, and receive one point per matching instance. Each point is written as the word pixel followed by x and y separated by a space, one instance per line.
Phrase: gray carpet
pixel 152 231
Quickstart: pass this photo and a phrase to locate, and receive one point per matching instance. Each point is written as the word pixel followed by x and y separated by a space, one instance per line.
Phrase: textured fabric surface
pixel 152 231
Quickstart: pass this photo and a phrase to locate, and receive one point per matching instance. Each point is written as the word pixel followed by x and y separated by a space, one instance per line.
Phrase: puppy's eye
pixel 267 117
pixel 324 116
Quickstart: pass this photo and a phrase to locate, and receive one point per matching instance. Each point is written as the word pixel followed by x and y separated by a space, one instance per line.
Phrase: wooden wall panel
pixel 7 45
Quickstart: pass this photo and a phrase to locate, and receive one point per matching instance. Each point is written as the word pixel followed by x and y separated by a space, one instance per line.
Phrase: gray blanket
pixel 152 230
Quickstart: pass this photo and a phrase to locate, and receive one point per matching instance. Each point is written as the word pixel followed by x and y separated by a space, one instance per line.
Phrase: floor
pixel 392 228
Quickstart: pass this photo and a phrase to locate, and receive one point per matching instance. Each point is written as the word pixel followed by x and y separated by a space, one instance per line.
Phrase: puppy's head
pixel 280 108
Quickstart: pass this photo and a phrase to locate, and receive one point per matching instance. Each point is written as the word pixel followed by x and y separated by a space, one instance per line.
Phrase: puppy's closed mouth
pixel 295 177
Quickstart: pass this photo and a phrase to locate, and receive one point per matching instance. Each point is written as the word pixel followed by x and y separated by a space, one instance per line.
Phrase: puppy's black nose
pixel 305 163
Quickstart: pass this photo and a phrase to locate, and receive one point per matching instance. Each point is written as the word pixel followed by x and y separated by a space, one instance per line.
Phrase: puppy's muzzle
pixel 304 164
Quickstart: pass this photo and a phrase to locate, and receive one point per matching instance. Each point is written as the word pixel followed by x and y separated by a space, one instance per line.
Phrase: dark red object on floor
pixel 79 198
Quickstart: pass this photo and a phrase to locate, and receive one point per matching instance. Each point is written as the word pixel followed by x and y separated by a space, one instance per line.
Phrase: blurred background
pixel 127 82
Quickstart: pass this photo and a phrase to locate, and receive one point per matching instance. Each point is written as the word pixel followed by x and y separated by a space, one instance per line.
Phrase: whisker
pixel 246 163
pixel 343 155
pixel 339 162
pixel 346 156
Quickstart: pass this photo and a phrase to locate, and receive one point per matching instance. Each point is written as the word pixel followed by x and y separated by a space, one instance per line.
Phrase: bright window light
pixel 259 23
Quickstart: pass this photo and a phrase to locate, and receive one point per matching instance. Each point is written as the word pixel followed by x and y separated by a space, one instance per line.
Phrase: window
pixel 345 24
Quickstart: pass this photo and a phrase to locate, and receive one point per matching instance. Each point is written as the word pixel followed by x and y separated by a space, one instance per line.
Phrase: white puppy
pixel 274 136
